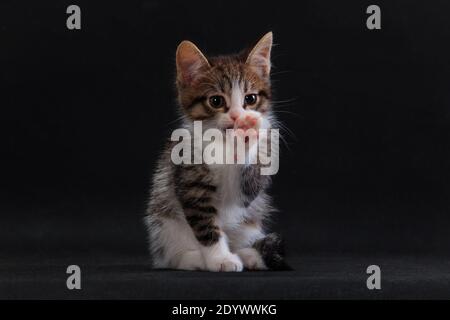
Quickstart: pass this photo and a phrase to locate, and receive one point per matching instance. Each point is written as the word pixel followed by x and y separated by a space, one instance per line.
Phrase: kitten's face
pixel 225 92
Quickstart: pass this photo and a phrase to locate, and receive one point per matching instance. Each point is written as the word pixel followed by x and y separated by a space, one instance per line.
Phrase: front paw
pixel 224 263
pixel 249 121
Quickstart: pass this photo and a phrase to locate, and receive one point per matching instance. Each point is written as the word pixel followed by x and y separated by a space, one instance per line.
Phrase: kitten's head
pixel 227 91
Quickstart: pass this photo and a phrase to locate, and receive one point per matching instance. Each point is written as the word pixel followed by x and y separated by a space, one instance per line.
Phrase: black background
pixel 84 114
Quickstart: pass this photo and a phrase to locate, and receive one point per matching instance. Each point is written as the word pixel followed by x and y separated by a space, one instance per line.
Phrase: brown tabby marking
pixel 196 191
pixel 219 79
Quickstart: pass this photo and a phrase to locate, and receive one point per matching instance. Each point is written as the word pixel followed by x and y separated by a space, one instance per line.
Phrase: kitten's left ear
pixel 259 57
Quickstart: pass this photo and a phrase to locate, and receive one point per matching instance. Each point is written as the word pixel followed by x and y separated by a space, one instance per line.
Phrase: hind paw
pixel 251 259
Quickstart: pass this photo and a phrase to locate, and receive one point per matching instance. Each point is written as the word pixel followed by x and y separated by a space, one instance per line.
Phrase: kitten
pixel 212 217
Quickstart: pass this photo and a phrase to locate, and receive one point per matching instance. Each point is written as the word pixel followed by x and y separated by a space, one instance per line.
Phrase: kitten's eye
pixel 216 101
pixel 251 99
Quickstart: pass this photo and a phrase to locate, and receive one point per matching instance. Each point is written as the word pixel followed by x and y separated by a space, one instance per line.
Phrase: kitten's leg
pixel 264 253
pixel 173 245
pixel 242 240
pixel 196 191
pixel 252 183
pixel 213 242
pixel 272 252
pixel 258 250
pixel 191 260
pixel 219 258
pixel 251 259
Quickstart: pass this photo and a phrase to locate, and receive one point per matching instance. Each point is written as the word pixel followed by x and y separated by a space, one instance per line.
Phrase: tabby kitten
pixel 212 217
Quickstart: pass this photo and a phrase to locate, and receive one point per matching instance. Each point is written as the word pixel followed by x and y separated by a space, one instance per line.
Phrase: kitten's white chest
pixel 229 203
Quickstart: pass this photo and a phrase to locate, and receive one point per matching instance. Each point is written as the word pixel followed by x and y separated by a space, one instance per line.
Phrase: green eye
pixel 251 99
pixel 216 101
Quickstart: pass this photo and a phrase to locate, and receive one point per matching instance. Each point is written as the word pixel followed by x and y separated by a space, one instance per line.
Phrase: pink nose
pixel 234 116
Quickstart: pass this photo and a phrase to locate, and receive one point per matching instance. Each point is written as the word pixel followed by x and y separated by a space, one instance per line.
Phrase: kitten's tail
pixel 271 249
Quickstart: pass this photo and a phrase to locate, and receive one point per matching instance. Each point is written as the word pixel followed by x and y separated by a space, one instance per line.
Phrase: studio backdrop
pixel 364 155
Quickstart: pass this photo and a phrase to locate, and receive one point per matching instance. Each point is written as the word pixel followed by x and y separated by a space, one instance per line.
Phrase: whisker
pixel 175 120
pixel 284 101
pixel 286 129
pixel 288 112
pixel 281 72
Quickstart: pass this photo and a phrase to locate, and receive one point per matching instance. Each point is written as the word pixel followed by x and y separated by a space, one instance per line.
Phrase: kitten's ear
pixel 190 62
pixel 259 57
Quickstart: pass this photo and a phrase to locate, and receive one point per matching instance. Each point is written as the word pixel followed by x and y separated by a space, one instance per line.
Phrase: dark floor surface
pixel 313 277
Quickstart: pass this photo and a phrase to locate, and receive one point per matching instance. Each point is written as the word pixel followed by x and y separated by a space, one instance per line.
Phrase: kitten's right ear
pixel 190 62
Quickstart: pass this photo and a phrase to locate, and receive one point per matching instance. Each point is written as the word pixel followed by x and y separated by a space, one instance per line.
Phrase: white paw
pixel 251 259
pixel 228 262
